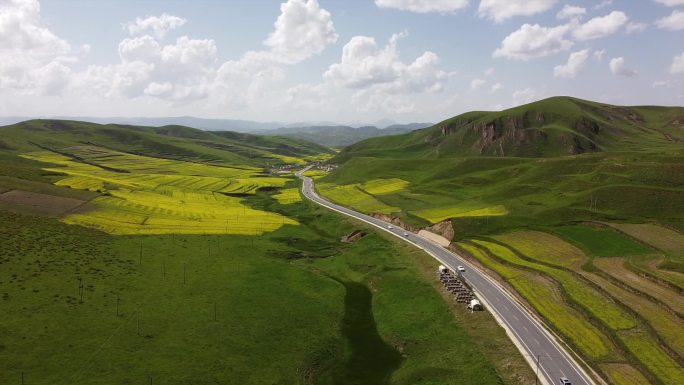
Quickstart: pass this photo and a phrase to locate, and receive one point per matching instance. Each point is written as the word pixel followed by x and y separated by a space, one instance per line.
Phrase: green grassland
pixel 559 166
pixel 176 142
pixel 295 303
pixel 155 280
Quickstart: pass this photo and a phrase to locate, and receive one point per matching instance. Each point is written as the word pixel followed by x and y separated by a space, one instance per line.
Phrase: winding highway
pixel 544 353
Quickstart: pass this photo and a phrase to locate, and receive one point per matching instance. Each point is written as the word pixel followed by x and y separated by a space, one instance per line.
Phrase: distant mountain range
pixel 329 134
pixel 341 136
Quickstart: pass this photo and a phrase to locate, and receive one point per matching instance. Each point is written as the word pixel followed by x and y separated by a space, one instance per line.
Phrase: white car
pixel 390 227
pixel 406 234
pixel 461 269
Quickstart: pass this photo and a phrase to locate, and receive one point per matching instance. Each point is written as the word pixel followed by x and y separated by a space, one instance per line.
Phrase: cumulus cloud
pixel 179 71
pixel 576 63
pixel 603 4
pixel 364 64
pixel 496 87
pixel 302 30
pixel 34 59
pixel 159 26
pixel 532 41
pixel 599 27
pixel 500 10
pixel 571 12
pixel 635 27
pixel 423 6
pixel 670 3
pixel 477 83
pixel 677 66
pixel 673 22
pixel 617 67
pixel 528 95
pixel 598 55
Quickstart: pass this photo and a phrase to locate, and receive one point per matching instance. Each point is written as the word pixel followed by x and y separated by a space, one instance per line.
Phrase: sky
pixel 344 61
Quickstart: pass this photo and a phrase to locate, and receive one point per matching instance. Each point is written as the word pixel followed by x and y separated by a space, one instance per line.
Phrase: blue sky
pixel 331 60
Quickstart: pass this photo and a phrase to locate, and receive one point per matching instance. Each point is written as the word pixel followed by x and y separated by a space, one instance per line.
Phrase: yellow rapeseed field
pixel 145 195
pixel 439 214
pixel 287 196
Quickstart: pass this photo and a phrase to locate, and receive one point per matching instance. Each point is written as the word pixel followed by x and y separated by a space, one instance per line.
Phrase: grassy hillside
pixel 138 255
pixel 177 142
pixel 577 206
pixel 550 127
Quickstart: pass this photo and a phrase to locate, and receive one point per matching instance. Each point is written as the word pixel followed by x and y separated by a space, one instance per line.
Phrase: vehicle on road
pixel 390 227
pixel 461 269
pixel 406 234
pixel 475 305
pixel 565 381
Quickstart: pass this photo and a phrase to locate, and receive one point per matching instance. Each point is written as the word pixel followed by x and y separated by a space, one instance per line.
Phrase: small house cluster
pixel 455 285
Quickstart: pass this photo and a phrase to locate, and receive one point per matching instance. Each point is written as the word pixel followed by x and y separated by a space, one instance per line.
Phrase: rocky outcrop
pixel 444 228
pixel 395 221
pixel 353 236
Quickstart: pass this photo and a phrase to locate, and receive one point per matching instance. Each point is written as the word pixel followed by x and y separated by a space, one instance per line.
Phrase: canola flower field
pixel 145 195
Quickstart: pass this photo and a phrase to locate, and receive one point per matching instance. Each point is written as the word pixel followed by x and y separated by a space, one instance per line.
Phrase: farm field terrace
pixel 144 195
pixel 640 316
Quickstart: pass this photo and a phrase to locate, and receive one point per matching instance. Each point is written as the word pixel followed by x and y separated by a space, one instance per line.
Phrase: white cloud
pixel 423 6
pixel 632 27
pixel 489 71
pixel 603 4
pixel 670 3
pixel 571 12
pixel 180 71
pixel 364 65
pixel 677 66
pixel 617 67
pixel 576 63
pixel 531 41
pixel 500 10
pixel 673 22
pixel 244 82
pixel 598 55
pixel 496 87
pixel 34 59
pixel 525 96
pixel 158 89
pixel 477 83
pixel 599 27
pixel 302 30
pixel 661 84
pixel 159 26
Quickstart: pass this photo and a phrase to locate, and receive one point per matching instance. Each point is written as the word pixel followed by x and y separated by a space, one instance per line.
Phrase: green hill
pixel 176 142
pixel 551 127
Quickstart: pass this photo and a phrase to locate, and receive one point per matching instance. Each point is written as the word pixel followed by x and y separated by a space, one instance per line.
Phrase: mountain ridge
pixel 551 127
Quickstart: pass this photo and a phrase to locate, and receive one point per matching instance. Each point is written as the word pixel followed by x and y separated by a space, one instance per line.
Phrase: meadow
pixel 82 306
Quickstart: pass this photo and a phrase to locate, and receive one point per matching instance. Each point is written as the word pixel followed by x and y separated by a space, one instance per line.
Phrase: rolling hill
pixel 577 205
pixel 552 127
pixel 176 142
pixel 340 136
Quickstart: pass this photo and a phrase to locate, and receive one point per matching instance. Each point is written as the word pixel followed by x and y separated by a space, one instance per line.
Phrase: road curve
pixel 533 340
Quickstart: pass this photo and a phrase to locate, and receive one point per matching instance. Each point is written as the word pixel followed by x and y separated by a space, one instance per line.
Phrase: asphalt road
pixel 540 348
